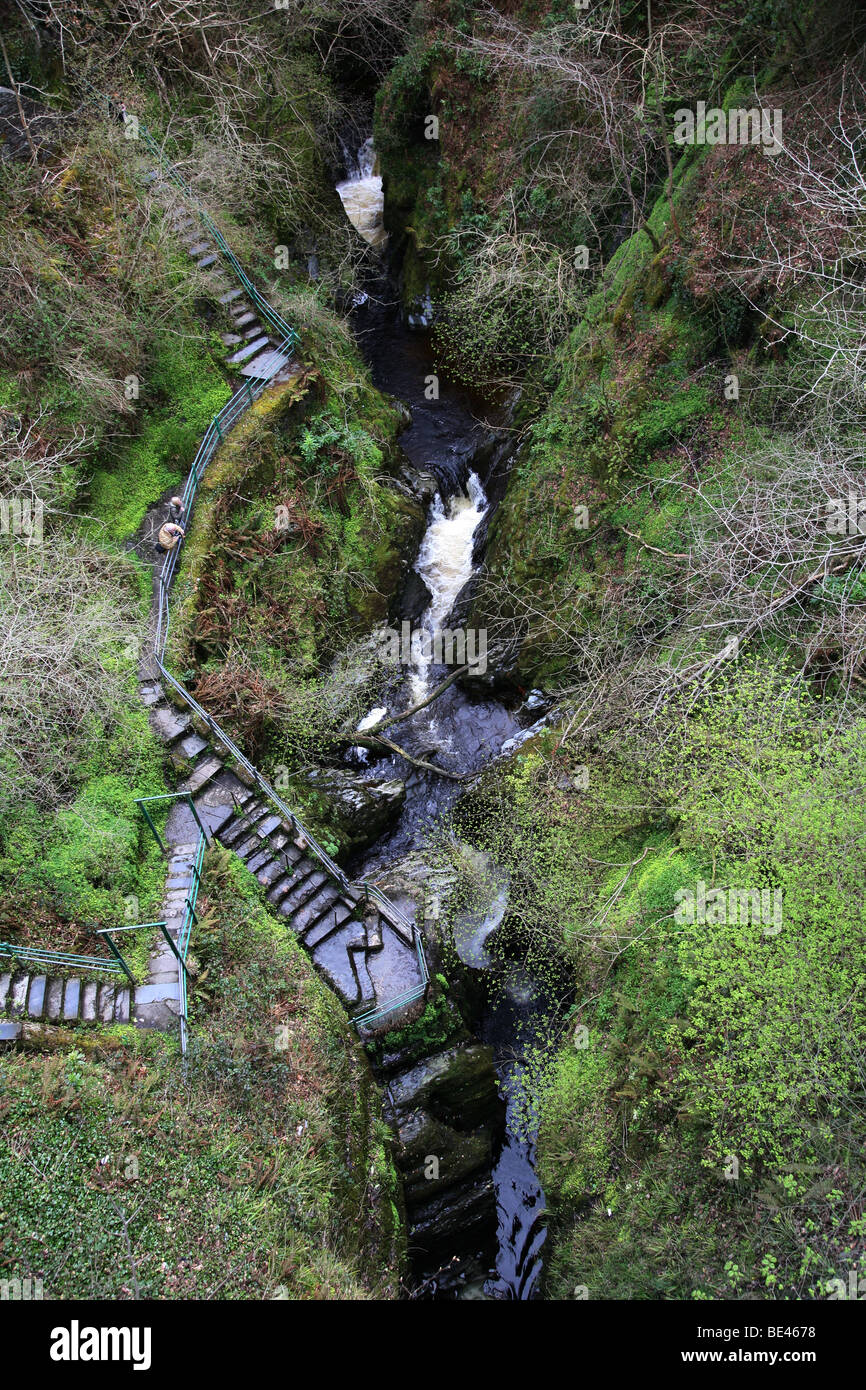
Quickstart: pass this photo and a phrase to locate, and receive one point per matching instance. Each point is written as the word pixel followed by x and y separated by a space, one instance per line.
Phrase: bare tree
pixel 812 259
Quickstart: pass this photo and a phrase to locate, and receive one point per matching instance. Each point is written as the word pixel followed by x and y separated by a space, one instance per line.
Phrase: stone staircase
pixel 50 999
pixel 158 1000
pixel 251 348
pixel 356 950
pixel 363 957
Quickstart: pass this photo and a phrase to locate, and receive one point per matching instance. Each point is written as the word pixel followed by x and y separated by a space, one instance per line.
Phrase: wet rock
pixel 418 484
pixel 422 482
pixel 459 1222
pixel 434 1157
pixel 359 811
pixel 457 1086
pixel 501 680
pixel 447 1116
pixel 414 599
pixel 474 928
pixel 420 310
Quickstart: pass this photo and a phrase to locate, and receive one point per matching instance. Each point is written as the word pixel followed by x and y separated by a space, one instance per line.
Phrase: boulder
pixel 414 600
pixel 359 811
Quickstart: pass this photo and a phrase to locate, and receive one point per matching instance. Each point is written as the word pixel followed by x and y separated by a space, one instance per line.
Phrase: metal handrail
pixel 230 412
pixel 180 948
pixel 275 319
pixel 40 957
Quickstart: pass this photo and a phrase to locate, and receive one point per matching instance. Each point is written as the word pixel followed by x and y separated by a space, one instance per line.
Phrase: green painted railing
pixel 266 310
pixel 66 959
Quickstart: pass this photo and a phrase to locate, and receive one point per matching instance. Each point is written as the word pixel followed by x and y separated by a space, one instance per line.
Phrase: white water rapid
pixel 362 197
pixel 445 564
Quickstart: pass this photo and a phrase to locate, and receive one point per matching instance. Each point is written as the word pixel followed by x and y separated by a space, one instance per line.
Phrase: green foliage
pixel 439 1024
pixel 188 390
pixel 576 1130
pixel 774 804
pixel 404 96
pixel 327 433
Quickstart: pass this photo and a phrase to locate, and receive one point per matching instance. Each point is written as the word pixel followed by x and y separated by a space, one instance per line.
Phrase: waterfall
pixel 445 564
pixel 362 197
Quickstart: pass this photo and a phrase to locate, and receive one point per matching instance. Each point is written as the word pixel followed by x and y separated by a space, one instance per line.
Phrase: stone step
pixel 206 261
pixel 244 318
pixel 165 975
pixel 243 353
pixel 198 248
pixel 202 773
pixel 168 723
pixel 283 886
pixel 232 791
pixel 54 1000
pixel 269 874
pixel 18 994
pixel 327 924
pixel 375 938
pixel 157 994
pixel 88 1001
pixel 179 877
pixel 252 332
pixel 242 826
pixel 291 856
pixel 340 960
pixel 266 365
pixel 232 294
pixel 36 997
pixel 191 746
pixel 265 827
pixel 105 1003
pixel 245 849
pixel 305 890
pixel 314 908
pixel 71 999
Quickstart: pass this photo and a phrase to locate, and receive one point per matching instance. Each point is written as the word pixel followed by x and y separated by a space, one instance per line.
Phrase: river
pixel 446 438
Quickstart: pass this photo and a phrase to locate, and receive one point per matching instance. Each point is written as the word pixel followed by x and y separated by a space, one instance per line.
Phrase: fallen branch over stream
pixel 372 738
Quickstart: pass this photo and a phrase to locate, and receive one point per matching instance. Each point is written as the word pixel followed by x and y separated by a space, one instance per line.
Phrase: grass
pixel 265 1173
pixel 189 390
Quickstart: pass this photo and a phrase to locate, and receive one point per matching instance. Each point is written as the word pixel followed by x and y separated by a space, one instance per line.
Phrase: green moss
pixel 189 390
pixel 438 1025
pixel 575 1129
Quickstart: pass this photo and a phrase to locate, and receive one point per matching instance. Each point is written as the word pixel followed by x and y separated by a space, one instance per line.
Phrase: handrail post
pixel 167 934
pixel 123 963
pixel 146 815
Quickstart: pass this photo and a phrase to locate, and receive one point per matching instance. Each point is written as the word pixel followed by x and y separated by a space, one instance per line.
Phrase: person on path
pixel 175 509
pixel 170 535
